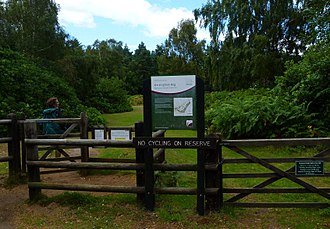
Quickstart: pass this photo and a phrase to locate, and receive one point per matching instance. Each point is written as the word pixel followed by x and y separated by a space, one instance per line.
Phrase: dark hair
pixel 51 102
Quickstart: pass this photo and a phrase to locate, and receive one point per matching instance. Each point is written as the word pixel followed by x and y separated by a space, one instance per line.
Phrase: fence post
pixel 32 155
pixel 23 149
pixel 139 157
pixel 14 149
pixel 149 179
pixel 220 174
pixel 84 135
pixel 213 178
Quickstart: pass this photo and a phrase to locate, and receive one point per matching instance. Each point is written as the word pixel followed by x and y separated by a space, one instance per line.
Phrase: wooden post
pixel 22 137
pixel 14 149
pixel 200 153
pixel 32 155
pixel 139 158
pixel 212 178
pixel 148 153
pixel 220 175
pixel 84 135
pixel 149 179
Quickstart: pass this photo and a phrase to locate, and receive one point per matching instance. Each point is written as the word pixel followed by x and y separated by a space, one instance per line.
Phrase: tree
pixel 32 27
pixel 317 13
pixel 250 37
pixel 142 66
pixel 39 84
pixel 182 52
pixel 110 96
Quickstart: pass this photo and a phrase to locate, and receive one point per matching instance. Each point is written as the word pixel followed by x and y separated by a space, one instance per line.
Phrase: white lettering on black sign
pixel 175 143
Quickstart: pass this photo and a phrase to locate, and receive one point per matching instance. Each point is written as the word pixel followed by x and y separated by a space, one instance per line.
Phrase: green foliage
pixel 25 87
pixel 110 96
pixel 325 212
pixel 94 117
pixel 28 101
pixel 141 67
pixel 136 100
pixel 257 114
pixel 251 40
pixel 166 179
pixel 31 27
pixel 308 82
pixel 182 53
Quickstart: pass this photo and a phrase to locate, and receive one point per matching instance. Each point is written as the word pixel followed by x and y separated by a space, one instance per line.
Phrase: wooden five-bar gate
pixel 304 167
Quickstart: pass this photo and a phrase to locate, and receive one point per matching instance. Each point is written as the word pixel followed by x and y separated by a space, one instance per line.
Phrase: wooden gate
pixel 312 166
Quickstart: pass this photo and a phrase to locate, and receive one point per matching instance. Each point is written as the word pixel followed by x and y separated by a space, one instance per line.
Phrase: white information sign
pixel 120 135
pixel 99 134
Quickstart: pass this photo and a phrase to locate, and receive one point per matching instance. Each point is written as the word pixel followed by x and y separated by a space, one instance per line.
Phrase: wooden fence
pixel 145 163
pixel 210 187
pixel 13 141
pixel 313 168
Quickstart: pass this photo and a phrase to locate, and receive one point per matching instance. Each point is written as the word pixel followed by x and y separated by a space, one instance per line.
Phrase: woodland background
pixel 266 69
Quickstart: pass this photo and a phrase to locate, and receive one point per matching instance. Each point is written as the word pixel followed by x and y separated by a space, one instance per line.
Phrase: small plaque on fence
pixel 309 168
pixel 120 134
pixel 99 133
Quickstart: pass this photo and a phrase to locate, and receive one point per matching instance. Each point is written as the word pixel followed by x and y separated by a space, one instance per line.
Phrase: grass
pixel 3 153
pixel 121 210
pixel 126 118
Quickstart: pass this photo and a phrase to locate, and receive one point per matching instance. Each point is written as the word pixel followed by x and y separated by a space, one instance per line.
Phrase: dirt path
pixel 10 201
pixel 13 200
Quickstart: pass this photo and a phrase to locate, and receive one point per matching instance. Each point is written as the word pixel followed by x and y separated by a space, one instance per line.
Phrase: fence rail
pixel 13 146
pixel 268 163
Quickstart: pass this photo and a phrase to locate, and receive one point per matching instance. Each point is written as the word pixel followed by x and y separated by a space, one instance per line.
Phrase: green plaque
pixel 309 168
pixel 173 102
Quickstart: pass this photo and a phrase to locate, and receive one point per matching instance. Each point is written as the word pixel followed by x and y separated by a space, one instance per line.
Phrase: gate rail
pixel 277 174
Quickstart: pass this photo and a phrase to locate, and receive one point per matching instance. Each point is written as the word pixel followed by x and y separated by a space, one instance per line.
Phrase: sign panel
pixel 120 135
pixel 99 134
pixel 309 168
pixel 194 143
pixel 173 102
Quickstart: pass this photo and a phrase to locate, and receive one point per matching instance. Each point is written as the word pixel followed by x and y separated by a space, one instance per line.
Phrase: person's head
pixel 52 102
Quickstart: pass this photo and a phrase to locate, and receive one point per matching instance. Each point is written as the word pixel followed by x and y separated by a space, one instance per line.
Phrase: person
pixel 52 111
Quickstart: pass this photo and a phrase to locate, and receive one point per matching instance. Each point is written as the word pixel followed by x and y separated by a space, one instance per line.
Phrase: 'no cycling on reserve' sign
pixel 173 102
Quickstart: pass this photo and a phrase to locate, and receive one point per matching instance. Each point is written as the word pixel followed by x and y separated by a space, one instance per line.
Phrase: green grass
pixel 125 119
pixel 3 153
pixel 122 210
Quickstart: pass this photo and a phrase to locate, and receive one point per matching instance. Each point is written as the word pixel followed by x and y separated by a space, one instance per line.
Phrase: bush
pixel 257 114
pixel 110 96
pixel 136 100
pixel 307 82
pixel 25 87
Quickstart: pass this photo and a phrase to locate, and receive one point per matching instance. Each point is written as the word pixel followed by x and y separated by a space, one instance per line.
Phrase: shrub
pixel 110 96
pixel 136 100
pixel 25 87
pixel 245 114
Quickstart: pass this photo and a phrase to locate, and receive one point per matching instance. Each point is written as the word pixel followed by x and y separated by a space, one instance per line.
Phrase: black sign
pixel 195 143
pixel 309 168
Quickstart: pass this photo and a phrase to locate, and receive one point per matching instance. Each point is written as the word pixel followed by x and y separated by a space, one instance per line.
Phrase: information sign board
pixel 173 102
